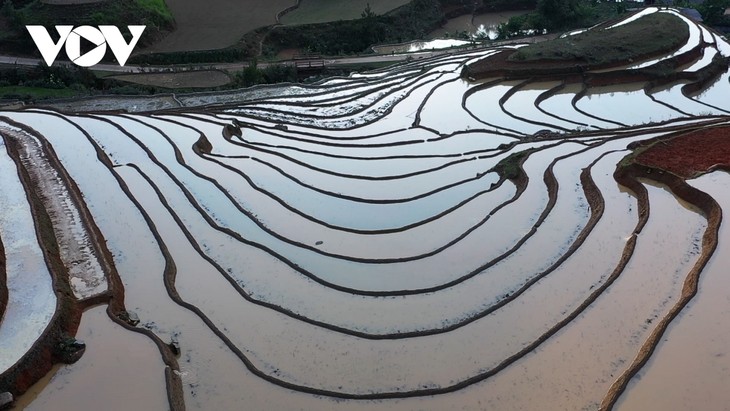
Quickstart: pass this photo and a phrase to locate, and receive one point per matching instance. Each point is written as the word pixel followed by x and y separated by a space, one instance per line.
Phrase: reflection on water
pixel 416 46
pixel 690 367
pixel 31 300
pixel 396 240
pixel 119 371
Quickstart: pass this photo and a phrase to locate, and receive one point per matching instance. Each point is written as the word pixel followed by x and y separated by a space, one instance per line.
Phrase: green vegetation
pixel 505 5
pixel 409 22
pixel 14 17
pixel 713 11
pixel 510 167
pixel 560 13
pixel 557 15
pixel 43 82
pixel 322 11
pixel 36 93
pixel 275 73
pixel 651 34
pixel 156 8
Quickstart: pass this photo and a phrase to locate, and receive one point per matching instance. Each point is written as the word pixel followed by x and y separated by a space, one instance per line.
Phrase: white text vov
pixel 71 37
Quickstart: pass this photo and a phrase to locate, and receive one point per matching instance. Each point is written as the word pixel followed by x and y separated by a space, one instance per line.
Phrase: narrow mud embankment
pixel 45 352
pixel 82 267
pixel 670 162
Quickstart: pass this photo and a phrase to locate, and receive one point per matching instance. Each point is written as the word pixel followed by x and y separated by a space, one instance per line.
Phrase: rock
pixel 6 400
pixel 281 127
pixel 230 130
pixel 70 350
pixel 203 145
pixel 174 347
pixel 129 318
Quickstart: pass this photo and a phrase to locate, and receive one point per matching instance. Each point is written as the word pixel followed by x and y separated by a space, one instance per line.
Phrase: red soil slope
pixel 691 153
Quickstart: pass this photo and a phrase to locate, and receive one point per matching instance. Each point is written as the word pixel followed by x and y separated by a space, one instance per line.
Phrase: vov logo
pixel 71 37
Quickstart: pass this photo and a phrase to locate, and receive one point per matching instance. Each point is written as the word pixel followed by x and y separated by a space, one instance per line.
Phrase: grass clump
pixel 651 34
pixel 509 167
pixel 158 9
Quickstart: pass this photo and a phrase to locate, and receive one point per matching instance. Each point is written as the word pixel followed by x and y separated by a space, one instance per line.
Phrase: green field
pixel 651 34
pixel 36 92
pixel 322 11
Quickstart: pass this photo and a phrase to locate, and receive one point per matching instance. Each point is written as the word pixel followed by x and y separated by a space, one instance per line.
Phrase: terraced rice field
pixel 402 239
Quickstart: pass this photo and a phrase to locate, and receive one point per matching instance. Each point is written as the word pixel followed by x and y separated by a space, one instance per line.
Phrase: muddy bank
pixel 45 352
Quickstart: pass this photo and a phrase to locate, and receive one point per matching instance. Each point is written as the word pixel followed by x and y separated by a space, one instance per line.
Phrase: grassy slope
pixel 654 33
pixel 152 13
pixel 321 11
pixel 156 7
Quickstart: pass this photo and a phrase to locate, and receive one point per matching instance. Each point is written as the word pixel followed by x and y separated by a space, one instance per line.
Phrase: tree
pixel 251 75
pixel 713 10
pixel 368 12
pixel 560 13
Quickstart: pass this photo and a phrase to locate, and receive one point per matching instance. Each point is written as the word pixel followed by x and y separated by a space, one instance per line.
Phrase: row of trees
pixel 713 11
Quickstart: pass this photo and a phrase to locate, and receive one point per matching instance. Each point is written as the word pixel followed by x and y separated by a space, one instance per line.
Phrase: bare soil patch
pixel 690 154
pixel 187 79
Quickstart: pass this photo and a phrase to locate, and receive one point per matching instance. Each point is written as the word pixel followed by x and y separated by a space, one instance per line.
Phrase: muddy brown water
pixel 319 284
pixel 119 371
pixel 690 366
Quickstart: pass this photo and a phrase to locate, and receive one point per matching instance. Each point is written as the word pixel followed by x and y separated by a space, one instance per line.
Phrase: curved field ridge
pixel 402 239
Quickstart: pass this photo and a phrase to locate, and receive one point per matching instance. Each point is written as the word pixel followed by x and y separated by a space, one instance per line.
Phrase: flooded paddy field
pixel 403 239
